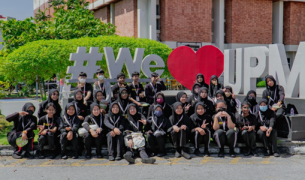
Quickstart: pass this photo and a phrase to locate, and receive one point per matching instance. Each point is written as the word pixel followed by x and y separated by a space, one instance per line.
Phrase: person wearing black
pixel 136 88
pixel 160 99
pixel 231 99
pixel 48 128
pixel 203 97
pixel 251 100
pixel 214 86
pixel 275 94
pixel 94 135
pixel 86 89
pixel 201 128
pixel 154 87
pixel 102 103
pixel 134 124
pixel 102 85
pixel 24 124
pixel 182 97
pixel 195 93
pixel 247 124
pixel 155 129
pixel 224 128
pixel 200 80
pixel 265 128
pixel 52 98
pixel 68 127
pixel 220 95
pixel 115 124
pixel 123 101
pixel 180 125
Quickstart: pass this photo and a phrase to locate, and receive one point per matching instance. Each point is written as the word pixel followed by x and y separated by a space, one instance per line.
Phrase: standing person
pixel 103 85
pixel 86 89
pixel 275 94
pixel 52 98
pixel 200 80
pixel 68 127
pixel 182 97
pixel 251 100
pixel 180 125
pixel 224 128
pixel 48 127
pixel 136 88
pixel 94 136
pixel 247 124
pixel 214 86
pixel 24 125
pixel 231 98
pixel 203 97
pixel 134 124
pixel 160 99
pixel 154 87
pixel 115 124
pixel 155 129
pixel 265 128
pixel 201 128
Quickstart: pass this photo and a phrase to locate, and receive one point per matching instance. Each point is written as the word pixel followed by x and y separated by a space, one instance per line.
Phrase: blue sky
pixel 19 9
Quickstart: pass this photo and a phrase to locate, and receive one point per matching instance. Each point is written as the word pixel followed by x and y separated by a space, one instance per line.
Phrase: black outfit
pixel 21 123
pixel 275 94
pixel 157 124
pixel 249 138
pixel 115 144
pixel 179 138
pixel 166 108
pixel 89 139
pixel 87 88
pixel 213 89
pixel 116 89
pixel 135 90
pixel 197 122
pixel 232 102
pixel 73 122
pixel 98 102
pixel 123 103
pixel 254 107
pixel 178 96
pixel 202 84
pixel 43 105
pixel 210 108
pixel 151 91
pixel 194 97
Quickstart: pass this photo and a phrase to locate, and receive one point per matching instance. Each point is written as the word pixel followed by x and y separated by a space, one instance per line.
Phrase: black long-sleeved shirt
pixel 63 124
pixel 150 91
pixel 29 124
pixel 121 124
pixel 265 119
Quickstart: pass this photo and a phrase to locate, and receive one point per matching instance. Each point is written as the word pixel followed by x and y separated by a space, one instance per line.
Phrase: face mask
pixel 159 101
pixel 82 80
pixel 158 113
pixel 221 109
pixel 30 112
pixel 263 108
pixel 227 94
pixel 251 99
pixel 101 77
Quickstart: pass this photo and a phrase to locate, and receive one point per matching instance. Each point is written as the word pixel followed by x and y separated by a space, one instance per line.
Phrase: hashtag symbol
pixel 80 57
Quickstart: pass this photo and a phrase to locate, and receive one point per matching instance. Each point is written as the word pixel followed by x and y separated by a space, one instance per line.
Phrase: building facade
pixel 227 24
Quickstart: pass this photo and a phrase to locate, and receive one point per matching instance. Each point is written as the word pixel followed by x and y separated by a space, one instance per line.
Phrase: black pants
pixel 249 138
pixel 222 138
pixel 64 142
pixel 159 139
pixel 280 112
pixel 49 139
pixel 115 145
pixel 141 151
pixel 12 136
pixel 269 142
pixel 178 138
pixel 89 139
pixel 199 139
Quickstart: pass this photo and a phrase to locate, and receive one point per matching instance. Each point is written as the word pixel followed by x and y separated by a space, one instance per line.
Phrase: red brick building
pixel 228 24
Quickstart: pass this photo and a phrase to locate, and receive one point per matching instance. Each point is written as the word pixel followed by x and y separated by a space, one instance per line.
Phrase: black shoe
pixel 16 156
pixel 152 154
pixel 255 154
pixel 118 158
pixel 111 158
pixel 53 155
pixel 64 157
pixel 221 152
pixel 232 153
pixel 129 159
pixel 149 161
pixel 185 155
pixel 267 153
pixel 99 156
pixel 75 156
pixel 247 153
pixel 177 154
pixel 197 152
pixel 161 154
pixel 206 152
pixel 28 155
pixel 276 154
pixel 88 156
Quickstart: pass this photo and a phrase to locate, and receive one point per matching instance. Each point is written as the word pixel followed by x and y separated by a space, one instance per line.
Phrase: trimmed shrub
pixel 261 84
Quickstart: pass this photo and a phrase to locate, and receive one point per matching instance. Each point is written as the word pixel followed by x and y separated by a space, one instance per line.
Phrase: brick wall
pixel 294 23
pixel 103 14
pixel 126 18
pixel 186 20
pixel 248 21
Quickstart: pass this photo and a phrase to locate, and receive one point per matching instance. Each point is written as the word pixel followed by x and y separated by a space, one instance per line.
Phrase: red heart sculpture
pixel 184 64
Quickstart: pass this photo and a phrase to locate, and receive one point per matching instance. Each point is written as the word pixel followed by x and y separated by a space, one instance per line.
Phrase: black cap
pixel 100 71
pixel 120 75
pixel 82 74
pixel 136 73
pixel 154 74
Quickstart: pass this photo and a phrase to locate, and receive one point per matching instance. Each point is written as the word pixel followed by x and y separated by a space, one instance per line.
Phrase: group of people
pixel 95 118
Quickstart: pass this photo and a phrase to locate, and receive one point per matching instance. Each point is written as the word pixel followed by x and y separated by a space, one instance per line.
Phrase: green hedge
pixel 261 84
pixel 47 57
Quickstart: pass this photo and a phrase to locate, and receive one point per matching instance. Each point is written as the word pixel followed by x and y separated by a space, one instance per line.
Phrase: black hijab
pixel 68 117
pixel 28 117
pixel 174 114
pixel 223 94
pixel 200 99
pixel 213 89
pixel 159 119
pixel 251 101
pixel 179 95
pixel 124 102
pixel 272 90
pixel 94 96
pixel 156 97
pixel 78 103
pixel 202 84
pixel 50 100
pixel 231 90
pixel 96 118
pixel 111 114
pixel 195 95
pixel 196 115
pixel 136 117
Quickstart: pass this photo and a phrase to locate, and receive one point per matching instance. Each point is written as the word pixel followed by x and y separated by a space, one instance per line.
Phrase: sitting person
pixel 101 102
pixel 203 97
pixel 24 125
pixel 231 99
pixel 52 98
pixel 160 99
pixel 135 123
pixel 182 97
pixel 154 87
pixel 220 95
pixel 214 87
pixel 200 80
pixel 251 100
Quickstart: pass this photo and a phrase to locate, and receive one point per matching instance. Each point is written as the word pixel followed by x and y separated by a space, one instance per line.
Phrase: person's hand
pixel 130 143
pixel 201 132
pixel 103 111
pixel 40 127
pixel 93 133
pixel 70 135
pixel 53 130
pixel 204 125
pixel 95 82
pixel 44 132
pixel 219 114
pixel 233 96
pixel 263 128
pixel 68 128
pixel 23 113
pixel 183 127
pixel 139 104
pixel 187 107
pixel 268 132
pixel 116 131
pixel 112 133
pixel 279 104
pixel 148 132
pixel 273 109
pixel 24 136
pixel 225 114
pixel 85 102
pixel 245 127
pixel 143 121
pixel 81 118
pixel 98 130
pixel 176 129
pixel 141 95
pixel 250 129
